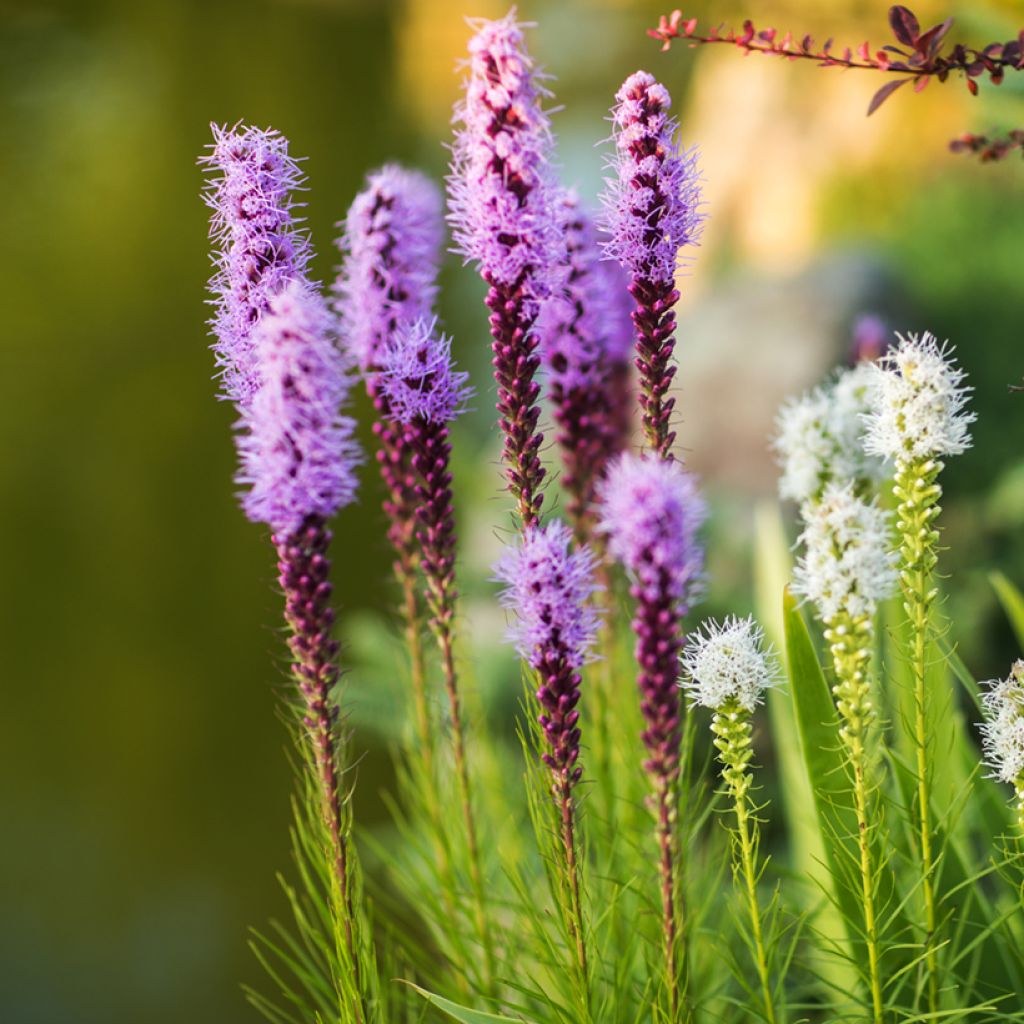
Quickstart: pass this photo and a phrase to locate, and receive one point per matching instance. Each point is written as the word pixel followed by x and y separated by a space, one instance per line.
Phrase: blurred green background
pixel 143 784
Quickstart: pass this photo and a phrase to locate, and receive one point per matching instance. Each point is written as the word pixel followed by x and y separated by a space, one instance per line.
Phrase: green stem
pixel 918 494
pixel 731 726
pixel 850 642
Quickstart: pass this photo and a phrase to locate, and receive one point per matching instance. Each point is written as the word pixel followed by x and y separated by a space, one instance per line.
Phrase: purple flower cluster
pixel 586 339
pixel 548 588
pixel 259 247
pixel 298 453
pixel 502 215
pixel 391 249
pixel 652 210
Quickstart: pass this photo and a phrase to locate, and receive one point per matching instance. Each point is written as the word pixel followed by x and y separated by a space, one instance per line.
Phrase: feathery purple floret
pixel 391 250
pixel 652 210
pixel 548 587
pixel 260 245
pixel 501 212
pixel 298 452
pixel 587 362
pixel 416 376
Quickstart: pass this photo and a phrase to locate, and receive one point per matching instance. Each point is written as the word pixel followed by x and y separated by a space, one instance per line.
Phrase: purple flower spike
pixel 298 453
pixel 391 249
pixel 548 588
pixel 651 512
pixel 652 210
pixel 586 339
pixel 260 245
pixel 501 211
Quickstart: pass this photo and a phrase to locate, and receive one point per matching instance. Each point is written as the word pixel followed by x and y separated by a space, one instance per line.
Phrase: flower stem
pixel 918 493
pixel 731 726
pixel 850 642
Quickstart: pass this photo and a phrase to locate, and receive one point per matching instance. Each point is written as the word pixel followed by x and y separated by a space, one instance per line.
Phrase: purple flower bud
pixel 871 337
pixel 652 210
pixel 298 453
pixel 548 589
pixel 501 211
pixel 260 245
pixel 416 377
pixel 586 338
pixel 391 250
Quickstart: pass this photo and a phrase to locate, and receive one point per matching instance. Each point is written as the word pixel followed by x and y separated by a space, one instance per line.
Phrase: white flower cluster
pixel 820 437
pixel 917 398
pixel 728 660
pixel 848 565
pixel 1003 732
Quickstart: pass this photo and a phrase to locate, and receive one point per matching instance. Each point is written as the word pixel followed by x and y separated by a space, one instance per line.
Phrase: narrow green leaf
pixel 463 1013
pixel 1012 601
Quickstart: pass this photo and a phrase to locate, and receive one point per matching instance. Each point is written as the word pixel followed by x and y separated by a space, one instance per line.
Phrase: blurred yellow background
pixel 143 784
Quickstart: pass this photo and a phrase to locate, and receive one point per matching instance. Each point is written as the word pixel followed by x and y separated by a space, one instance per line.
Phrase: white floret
pixel 1003 731
pixel 728 660
pixel 848 565
pixel 918 400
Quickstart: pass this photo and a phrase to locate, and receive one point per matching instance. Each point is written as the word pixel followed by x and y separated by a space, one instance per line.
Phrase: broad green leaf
pixel 1012 601
pixel 463 1013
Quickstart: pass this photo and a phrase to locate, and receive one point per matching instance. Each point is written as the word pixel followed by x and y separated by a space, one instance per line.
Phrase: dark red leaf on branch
pixel 929 42
pixel 827 46
pixel 972 86
pixel 864 51
pixel 975 68
pixel 904 25
pixel 806 43
pixel 921 83
pixel 884 93
pixel 768 35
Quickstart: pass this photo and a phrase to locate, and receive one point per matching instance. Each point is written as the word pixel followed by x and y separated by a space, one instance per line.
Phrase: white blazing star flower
pixel 917 398
pixel 1003 731
pixel 848 565
pixel 728 661
pixel 820 437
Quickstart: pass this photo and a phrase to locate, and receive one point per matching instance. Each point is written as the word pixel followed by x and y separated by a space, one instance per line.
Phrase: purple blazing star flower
pixel 652 210
pixel 582 332
pixel 502 215
pixel 548 588
pixel 261 247
pixel 651 512
pixel 391 248
pixel 298 453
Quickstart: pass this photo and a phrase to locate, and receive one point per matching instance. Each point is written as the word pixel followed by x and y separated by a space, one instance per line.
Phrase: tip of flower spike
pixel 391 250
pixel 298 452
pixel 1003 729
pixel 416 375
pixel 728 661
pixel 651 511
pixel 548 586
pixel 918 402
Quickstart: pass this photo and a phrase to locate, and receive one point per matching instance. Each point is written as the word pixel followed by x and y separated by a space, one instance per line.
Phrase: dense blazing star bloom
pixel 587 364
pixel 820 438
pixel 298 451
pixel 260 247
pixel 918 399
pixel 728 663
pixel 848 565
pixel 652 211
pixel 501 208
pixel 391 251
pixel 548 587
pixel 1003 728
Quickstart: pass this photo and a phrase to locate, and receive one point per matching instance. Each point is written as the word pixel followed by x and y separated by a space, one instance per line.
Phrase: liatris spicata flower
pixel 260 246
pixel 652 210
pixel 548 587
pixel 650 512
pixel 583 354
pixel 728 670
pixel 1003 731
pixel 501 202
pixel 846 570
pixel 870 338
pixel 918 415
pixel 298 459
pixel 820 438
pixel 391 248
pixel 423 395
